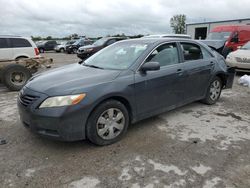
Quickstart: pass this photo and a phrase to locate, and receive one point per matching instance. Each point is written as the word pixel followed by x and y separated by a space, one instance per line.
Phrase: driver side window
pixel 166 54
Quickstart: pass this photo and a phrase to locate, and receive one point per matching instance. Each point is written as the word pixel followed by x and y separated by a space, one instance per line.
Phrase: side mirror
pixel 150 66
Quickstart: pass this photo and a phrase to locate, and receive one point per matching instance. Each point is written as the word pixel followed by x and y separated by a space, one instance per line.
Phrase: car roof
pixel 168 35
pixel 159 40
pixel 12 36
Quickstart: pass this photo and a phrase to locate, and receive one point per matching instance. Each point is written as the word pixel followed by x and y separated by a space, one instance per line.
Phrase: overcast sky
pixel 102 17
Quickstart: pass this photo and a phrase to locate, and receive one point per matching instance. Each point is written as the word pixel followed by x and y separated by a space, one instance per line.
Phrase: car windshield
pixel 119 56
pixel 219 35
pixel 246 46
pixel 100 42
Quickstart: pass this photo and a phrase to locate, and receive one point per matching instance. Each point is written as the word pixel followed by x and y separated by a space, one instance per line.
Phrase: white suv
pixel 16 47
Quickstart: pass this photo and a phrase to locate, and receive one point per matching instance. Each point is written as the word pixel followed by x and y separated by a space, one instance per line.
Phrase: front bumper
pixel 60 123
pixel 83 55
pixel 238 65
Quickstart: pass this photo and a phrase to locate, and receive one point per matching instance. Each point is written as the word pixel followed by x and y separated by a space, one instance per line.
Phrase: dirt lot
pixel 193 146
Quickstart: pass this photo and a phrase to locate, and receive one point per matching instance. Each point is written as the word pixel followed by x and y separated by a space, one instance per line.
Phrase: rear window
pixel 191 51
pixel 19 43
pixel 3 43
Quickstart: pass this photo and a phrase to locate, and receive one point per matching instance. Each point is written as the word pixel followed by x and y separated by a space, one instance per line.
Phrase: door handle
pixel 179 72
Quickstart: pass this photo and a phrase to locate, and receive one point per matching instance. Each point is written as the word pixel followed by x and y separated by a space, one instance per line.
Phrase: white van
pixel 16 47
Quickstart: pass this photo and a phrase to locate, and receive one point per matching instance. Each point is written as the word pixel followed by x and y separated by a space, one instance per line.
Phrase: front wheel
pixel 107 123
pixel 214 91
pixel 74 50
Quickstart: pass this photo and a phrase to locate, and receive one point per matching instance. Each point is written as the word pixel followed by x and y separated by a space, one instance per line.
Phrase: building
pixel 201 30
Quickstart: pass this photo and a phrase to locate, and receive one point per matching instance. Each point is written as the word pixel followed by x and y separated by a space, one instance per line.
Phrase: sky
pixel 93 18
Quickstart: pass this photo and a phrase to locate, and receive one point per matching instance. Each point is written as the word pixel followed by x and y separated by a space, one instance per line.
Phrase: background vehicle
pixel 122 84
pixel 169 36
pixel 62 47
pixel 16 47
pixel 46 45
pixel 87 51
pixel 240 59
pixel 225 39
pixel 77 44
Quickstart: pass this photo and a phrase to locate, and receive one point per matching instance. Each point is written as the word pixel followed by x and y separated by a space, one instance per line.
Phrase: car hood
pixel 70 79
pixel 217 44
pixel 241 53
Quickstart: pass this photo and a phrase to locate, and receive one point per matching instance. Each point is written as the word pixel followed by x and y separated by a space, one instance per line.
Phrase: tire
pixel 62 50
pixel 15 76
pixel 100 125
pixel 41 50
pixel 74 50
pixel 213 91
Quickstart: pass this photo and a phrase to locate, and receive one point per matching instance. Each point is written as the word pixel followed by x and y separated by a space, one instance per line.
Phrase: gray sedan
pixel 124 83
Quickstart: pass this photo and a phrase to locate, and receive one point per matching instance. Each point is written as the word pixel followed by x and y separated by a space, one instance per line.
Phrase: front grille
pixel 242 60
pixel 27 100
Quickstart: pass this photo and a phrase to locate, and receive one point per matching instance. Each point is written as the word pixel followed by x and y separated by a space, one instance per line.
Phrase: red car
pixel 228 38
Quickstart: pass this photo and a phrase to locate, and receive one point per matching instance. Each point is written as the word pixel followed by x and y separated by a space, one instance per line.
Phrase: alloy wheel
pixel 215 90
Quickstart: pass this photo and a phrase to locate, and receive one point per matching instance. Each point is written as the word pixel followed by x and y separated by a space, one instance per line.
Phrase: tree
pixel 49 38
pixel 178 23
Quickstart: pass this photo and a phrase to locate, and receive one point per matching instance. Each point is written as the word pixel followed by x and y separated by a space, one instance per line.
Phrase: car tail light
pixel 36 51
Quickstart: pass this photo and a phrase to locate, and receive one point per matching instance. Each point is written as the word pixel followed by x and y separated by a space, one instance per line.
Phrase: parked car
pixel 17 47
pixel 19 59
pixel 46 45
pixel 228 38
pixel 240 59
pixel 62 47
pixel 126 82
pixel 169 36
pixel 86 51
pixel 77 44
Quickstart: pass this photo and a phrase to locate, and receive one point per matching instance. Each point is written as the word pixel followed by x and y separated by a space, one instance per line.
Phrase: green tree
pixel 178 24
pixel 49 38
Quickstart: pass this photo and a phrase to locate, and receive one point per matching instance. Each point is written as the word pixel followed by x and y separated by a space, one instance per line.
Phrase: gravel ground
pixel 193 146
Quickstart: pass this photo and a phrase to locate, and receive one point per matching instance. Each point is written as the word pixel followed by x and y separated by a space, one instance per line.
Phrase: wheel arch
pixel 223 78
pixel 21 56
pixel 119 98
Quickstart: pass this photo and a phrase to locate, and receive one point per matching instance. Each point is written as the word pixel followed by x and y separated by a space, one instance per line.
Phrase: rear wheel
pixel 214 91
pixel 107 123
pixel 15 76
pixel 41 50
pixel 62 50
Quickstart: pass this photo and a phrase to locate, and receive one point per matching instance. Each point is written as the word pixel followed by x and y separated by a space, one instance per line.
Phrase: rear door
pixel 6 52
pixel 21 48
pixel 198 63
pixel 157 91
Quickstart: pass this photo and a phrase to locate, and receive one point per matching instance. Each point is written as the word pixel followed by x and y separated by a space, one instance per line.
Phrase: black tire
pixel 41 50
pixel 9 74
pixel 209 99
pixel 91 128
pixel 74 50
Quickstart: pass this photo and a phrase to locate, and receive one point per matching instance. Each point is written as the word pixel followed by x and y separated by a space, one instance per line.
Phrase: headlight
pixel 62 101
pixel 88 49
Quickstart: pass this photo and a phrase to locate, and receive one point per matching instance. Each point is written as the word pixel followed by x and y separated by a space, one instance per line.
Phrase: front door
pixel 157 91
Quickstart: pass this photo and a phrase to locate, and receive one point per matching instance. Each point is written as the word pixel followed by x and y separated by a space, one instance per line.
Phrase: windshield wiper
pixel 92 66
